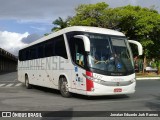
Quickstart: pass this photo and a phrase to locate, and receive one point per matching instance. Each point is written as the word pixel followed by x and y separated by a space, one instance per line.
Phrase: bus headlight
pixel 91 78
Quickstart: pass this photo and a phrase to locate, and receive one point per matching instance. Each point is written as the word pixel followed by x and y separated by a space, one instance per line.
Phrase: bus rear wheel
pixel 64 88
pixel 28 86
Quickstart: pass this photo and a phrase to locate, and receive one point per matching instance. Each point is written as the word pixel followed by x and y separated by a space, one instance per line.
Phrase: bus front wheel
pixel 64 87
pixel 28 86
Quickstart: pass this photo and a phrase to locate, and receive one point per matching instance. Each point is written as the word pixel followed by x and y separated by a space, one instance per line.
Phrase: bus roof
pixel 77 28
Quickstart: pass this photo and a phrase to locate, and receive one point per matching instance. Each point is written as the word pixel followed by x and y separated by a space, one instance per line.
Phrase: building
pixel 8 62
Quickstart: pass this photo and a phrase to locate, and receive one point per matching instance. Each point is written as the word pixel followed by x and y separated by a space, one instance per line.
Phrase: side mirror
pixel 86 41
pixel 140 48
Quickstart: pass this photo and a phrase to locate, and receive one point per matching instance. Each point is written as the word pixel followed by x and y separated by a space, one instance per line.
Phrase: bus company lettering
pixel 52 63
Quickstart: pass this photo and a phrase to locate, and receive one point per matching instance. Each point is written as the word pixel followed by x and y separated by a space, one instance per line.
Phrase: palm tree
pixel 60 24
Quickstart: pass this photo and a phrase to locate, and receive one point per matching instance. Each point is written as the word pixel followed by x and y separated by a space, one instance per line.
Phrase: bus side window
pixel 33 53
pixel 60 48
pixel 20 55
pixel 40 51
pixel 27 55
pixel 80 59
pixel 79 52
pixel 48 49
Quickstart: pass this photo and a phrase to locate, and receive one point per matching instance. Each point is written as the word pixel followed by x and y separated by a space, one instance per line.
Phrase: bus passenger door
pixel 80 61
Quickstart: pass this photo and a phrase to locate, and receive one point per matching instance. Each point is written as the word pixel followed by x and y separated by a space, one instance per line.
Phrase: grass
pixel 151 74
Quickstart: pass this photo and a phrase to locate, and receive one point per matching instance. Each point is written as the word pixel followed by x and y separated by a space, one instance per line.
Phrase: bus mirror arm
pixel 86 41
pixel 140 48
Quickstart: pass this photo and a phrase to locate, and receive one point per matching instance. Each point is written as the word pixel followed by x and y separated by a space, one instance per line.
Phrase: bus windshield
pixel 111 54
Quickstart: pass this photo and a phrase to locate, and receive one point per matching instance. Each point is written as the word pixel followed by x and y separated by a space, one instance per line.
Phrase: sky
pixel 24 21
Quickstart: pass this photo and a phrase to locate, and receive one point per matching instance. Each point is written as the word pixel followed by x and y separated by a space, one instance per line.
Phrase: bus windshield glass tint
pixel 109 53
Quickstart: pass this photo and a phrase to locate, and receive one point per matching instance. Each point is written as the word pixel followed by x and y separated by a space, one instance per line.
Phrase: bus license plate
pixel 118 90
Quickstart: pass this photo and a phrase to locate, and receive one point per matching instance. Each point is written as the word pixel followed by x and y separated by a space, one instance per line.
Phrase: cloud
pixel 38 9
pixel 38 28
pixel 30 38
pixel 12 41
pixel 49 10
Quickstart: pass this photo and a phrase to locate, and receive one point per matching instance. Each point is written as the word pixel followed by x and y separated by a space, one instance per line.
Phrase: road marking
pixel 2 85
pixel 7 81
pixel 18 84
pixel 9 85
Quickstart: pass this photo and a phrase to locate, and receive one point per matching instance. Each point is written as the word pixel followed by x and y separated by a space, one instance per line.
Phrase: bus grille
pixel 122 83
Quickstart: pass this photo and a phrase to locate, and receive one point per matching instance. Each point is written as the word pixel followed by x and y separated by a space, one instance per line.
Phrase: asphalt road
pixel 15 97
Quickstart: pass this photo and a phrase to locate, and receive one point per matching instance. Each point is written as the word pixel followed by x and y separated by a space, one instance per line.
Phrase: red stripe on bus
pixel 89 83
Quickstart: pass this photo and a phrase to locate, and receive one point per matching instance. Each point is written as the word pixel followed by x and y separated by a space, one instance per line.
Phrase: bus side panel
pixel 60 67
pixel 78 81
pixel 21 71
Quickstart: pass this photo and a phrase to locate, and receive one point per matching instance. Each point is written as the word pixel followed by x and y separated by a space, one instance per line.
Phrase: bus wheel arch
pixel 63 87
pixel 27 84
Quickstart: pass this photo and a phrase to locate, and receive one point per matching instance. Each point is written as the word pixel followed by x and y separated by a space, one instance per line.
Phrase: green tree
pixel 90 15
pixel 60 24
pixel 138 24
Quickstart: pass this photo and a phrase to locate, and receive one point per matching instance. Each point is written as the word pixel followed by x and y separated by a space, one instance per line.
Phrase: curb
pixel 148 78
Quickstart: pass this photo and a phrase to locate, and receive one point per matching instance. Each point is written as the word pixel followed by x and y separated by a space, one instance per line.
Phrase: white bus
pixel 85 60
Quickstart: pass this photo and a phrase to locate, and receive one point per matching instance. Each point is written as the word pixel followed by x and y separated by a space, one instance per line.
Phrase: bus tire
pixel 28 86
pixel 64 87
